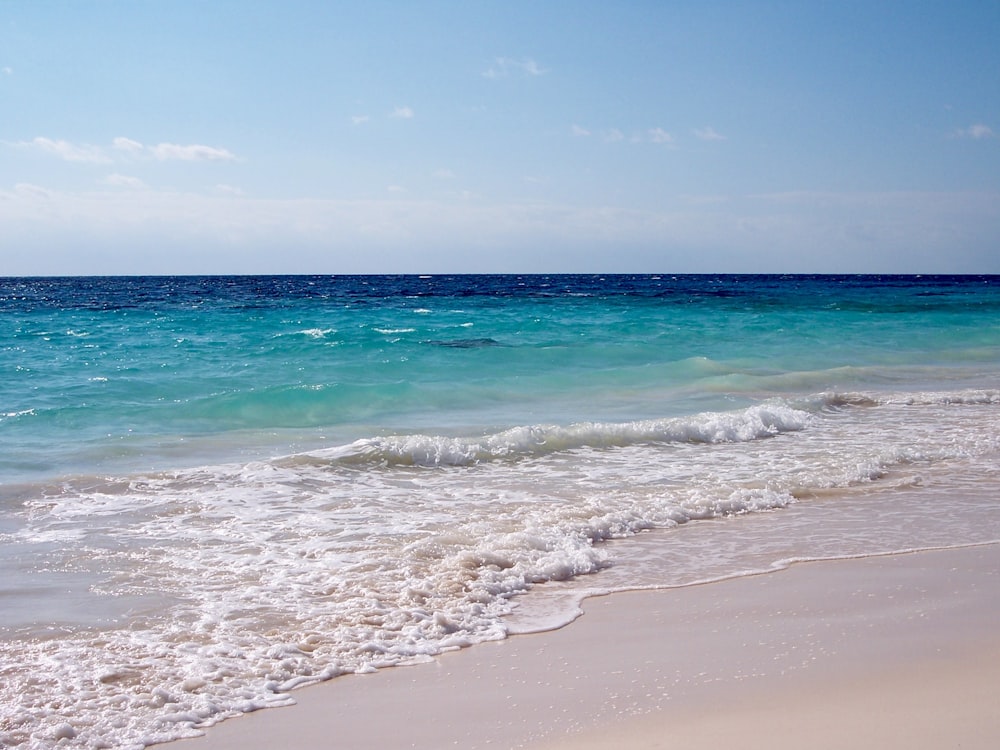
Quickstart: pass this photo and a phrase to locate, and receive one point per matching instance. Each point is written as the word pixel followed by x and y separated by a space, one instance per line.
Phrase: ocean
pixel 215 490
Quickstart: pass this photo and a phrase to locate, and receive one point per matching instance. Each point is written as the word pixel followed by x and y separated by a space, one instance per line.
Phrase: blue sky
pixel 425 137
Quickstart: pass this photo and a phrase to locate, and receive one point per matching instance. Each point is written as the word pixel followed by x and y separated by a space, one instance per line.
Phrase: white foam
pixel 753 423
pixel 276 574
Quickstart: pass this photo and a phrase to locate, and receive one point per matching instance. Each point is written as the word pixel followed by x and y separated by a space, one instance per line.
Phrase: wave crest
pixel 971 397
pixel 753 423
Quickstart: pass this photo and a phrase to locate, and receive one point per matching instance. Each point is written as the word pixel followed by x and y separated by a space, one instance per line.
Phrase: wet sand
pixel 895 651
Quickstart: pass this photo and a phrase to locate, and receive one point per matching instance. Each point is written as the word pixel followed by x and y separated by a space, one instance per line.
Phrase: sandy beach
pixel 895 651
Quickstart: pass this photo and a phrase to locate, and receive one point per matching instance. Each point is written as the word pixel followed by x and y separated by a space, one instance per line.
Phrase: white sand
pixel 889 652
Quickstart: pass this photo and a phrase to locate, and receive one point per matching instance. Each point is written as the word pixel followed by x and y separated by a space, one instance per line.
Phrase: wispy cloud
pixel 360 119
pixel 659 135
pixel 402 113
pixel 876 233
pixel 7 70
pixel 128 145
pixel 505 66
pixel 30 190
pixel 68 151
pixel 443 174
pixel 614 135
pixel 124 181
pixel 977 132
pixel 708 134
pixel 127 148
pixel 194 152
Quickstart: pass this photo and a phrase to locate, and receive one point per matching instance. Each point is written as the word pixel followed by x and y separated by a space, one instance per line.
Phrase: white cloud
pixel 402 113
pixel 121 180
pixel 8 71
pixel 504 66
pixel 977 132
pixel 614 135
pixel 360 119
pixel 28 190
pixel 530 67
pixel 222 189
pixel 127 144
pixel 659 135
pixel 70 152
pixel 193 152
pixel 396 189
pixel 443 174
pixel 708 134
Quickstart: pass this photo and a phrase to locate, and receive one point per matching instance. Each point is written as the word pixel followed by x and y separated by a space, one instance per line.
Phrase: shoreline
pixel 898 650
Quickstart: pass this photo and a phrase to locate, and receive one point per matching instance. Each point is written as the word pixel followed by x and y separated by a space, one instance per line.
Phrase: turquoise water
pixel 213 490
pixel 117 372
